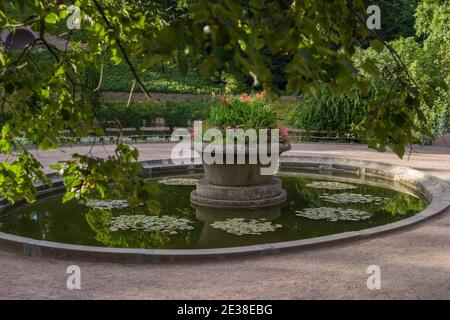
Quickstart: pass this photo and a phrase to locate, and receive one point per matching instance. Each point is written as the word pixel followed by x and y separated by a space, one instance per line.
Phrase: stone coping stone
pixel 435 190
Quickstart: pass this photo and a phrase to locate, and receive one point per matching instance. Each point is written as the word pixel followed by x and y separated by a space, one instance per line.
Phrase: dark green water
pixel 75 223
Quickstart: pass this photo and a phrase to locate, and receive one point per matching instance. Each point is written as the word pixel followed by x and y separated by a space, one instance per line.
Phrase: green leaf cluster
pixel 236 114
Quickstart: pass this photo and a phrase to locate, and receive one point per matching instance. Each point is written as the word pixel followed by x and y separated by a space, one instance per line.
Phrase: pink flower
pixel 261 95
pixel 245 98
pixel 284 133
pixel 191 132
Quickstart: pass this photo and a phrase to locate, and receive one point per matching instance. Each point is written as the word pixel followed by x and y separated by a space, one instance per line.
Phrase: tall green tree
pixel 426 56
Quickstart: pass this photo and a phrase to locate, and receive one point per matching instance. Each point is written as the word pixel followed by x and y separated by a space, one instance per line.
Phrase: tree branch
pixel 122 49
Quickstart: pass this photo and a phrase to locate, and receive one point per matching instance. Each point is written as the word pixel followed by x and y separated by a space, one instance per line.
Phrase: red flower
pixel 224 101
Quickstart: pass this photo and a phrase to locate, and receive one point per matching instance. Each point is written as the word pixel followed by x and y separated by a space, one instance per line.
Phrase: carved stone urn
pixel 240 184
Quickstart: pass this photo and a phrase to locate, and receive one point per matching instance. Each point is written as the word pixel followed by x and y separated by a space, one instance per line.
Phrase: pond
pixel 317 206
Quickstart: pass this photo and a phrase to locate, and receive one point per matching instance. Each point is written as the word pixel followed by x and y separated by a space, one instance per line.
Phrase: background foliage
pixel 176 114
pixel 426 54
pixel 284 47
pixel 329 113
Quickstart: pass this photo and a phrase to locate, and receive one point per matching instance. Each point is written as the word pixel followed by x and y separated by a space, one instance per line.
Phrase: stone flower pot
pixel 236 175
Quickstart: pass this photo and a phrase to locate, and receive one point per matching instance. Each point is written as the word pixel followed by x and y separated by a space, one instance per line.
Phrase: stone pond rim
pixel 435 190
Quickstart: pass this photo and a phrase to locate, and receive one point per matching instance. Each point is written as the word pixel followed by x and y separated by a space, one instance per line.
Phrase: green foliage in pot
pixel 245 112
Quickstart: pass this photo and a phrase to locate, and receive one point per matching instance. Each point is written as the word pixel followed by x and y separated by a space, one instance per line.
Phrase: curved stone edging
pixel 436 191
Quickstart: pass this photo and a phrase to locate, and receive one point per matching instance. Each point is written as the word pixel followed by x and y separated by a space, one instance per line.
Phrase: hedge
pixel 175 113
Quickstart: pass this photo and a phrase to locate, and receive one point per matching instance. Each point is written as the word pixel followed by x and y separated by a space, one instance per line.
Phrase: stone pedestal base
pixel 257 196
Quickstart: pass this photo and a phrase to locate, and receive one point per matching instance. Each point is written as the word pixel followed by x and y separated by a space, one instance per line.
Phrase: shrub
pixel 331 113
pixel 176 114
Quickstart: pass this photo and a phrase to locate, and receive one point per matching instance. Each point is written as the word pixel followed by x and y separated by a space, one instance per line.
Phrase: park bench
pixel 318 135
pixel 152 134
pixel 312 135
pixel 69 137
pixel 124 133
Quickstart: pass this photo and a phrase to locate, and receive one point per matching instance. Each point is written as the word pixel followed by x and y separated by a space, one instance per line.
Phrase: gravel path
pixel 415 263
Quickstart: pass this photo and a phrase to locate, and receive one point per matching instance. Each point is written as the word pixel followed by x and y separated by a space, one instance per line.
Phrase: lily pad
pixel 163 224
pixel 179 181
pixel 333 214
pixel 331 185
pixel 107 204
pixel 241 226
pixel 353 198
